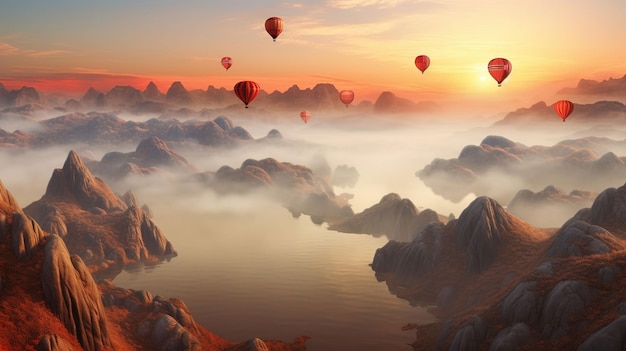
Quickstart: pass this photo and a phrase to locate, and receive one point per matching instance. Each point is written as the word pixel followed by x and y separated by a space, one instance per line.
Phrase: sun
pixel 483 78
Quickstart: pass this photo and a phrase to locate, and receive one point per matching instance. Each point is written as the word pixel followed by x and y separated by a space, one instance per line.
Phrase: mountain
pixel 23 96
pixel 153 93
pixel 123 97
pixel 529 289
pixel 151 155
pixel 101 227
pixel 294 186
pixel 178 95
pixel 597 112
pixel 608 87
pixel 393 216
pixel 98 128
pixel 479 169
pixel 93 99
pixel 549 207
pixel 388 102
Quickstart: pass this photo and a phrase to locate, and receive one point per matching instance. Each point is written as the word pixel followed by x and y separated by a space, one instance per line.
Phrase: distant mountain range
pixel 322 97
pixel 608 87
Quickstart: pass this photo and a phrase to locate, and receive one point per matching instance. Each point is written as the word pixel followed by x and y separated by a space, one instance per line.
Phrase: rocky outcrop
pixel 610 337
pixel 101 227
pixel 74 182
pixel 393 216
pixel 73 296
pixel 26 235
pixel 123 97
pixel 480 229
pixel 579 238
pixel 153 93
pixel 609 209
pixel 53 342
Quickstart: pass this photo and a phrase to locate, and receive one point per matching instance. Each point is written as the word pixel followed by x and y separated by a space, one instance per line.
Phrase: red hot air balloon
pixel 563 108
pixel 227 62
pixel 274 26
pixel 422 62
pixel 305 115
pixel 246 91
pixel 346 96
pixel 499 68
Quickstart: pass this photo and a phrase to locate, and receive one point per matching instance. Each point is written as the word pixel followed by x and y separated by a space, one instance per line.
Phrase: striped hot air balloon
pixel 563 108
pixel 227 62
pixel 246 91
pixel 422 62
pixel 499 68
pixel 274 26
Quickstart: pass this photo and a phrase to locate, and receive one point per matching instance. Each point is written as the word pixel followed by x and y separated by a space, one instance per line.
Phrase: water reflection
pixel 268 275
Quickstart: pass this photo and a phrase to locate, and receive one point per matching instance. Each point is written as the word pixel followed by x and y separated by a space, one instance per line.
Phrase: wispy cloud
pixel 350 4
pixel 8 49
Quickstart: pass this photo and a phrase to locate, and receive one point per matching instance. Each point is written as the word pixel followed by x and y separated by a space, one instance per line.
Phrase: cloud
pixel 350 4
pixel 8 49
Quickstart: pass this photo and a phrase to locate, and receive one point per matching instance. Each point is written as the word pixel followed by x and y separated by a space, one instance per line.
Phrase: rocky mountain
pixel 388 102
pixel 549 207
pixel 546 289
pixel 151 156
pixel 123 97
pixel 294 186
pixel 99 128
pixel 153 93
pixel 104 229
pixel 23 96
pixel 393 216
pixel 50 301
pixel 608 87
pixel 593 113
pixel 479 169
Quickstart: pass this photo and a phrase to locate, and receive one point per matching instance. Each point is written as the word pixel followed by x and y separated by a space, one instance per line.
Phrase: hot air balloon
pixel 499 68
pixel 422 62
pixel 227 62
pixel 274 26
pixel 563 108
pixel 246 91
pixel 305 115
pixel 346 96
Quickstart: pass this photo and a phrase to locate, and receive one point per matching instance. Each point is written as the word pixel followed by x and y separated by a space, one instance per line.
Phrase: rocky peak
pixel 75 181
pixel 152 92
pixel 93 98
pixel 177 94
pixel 7 198
pixel 125 96
pixel 480 229
pixel 609 209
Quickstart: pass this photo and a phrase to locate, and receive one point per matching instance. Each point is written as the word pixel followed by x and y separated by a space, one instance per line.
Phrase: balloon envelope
pixel 346 96
pixel 563 108
pixel 305 116
pixel 422 62
pixel 246 91
pixel 227 62
pixel 274 26
pixel 499 68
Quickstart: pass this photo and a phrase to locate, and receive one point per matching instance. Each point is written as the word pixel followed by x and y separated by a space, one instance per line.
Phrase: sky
pixel 368 46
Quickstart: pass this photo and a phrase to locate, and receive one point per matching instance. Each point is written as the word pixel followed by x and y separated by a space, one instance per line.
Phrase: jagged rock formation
pixel 479 169
pixel 153 93
pixel 23 96
pixel 294 186
pixel 71 294
pixel 560 291
pixel 53 342
pixel 549 207
pixel 96 223
pixel 178 95
pixel 152 155
pixel 393 216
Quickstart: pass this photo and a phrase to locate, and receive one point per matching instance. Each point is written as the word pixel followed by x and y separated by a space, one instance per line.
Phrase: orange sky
pixel 367 46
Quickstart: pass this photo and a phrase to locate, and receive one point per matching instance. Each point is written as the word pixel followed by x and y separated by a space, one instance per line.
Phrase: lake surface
pixel 261 273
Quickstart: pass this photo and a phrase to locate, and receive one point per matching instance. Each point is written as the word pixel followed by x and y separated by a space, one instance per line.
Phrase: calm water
pixel 261 273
